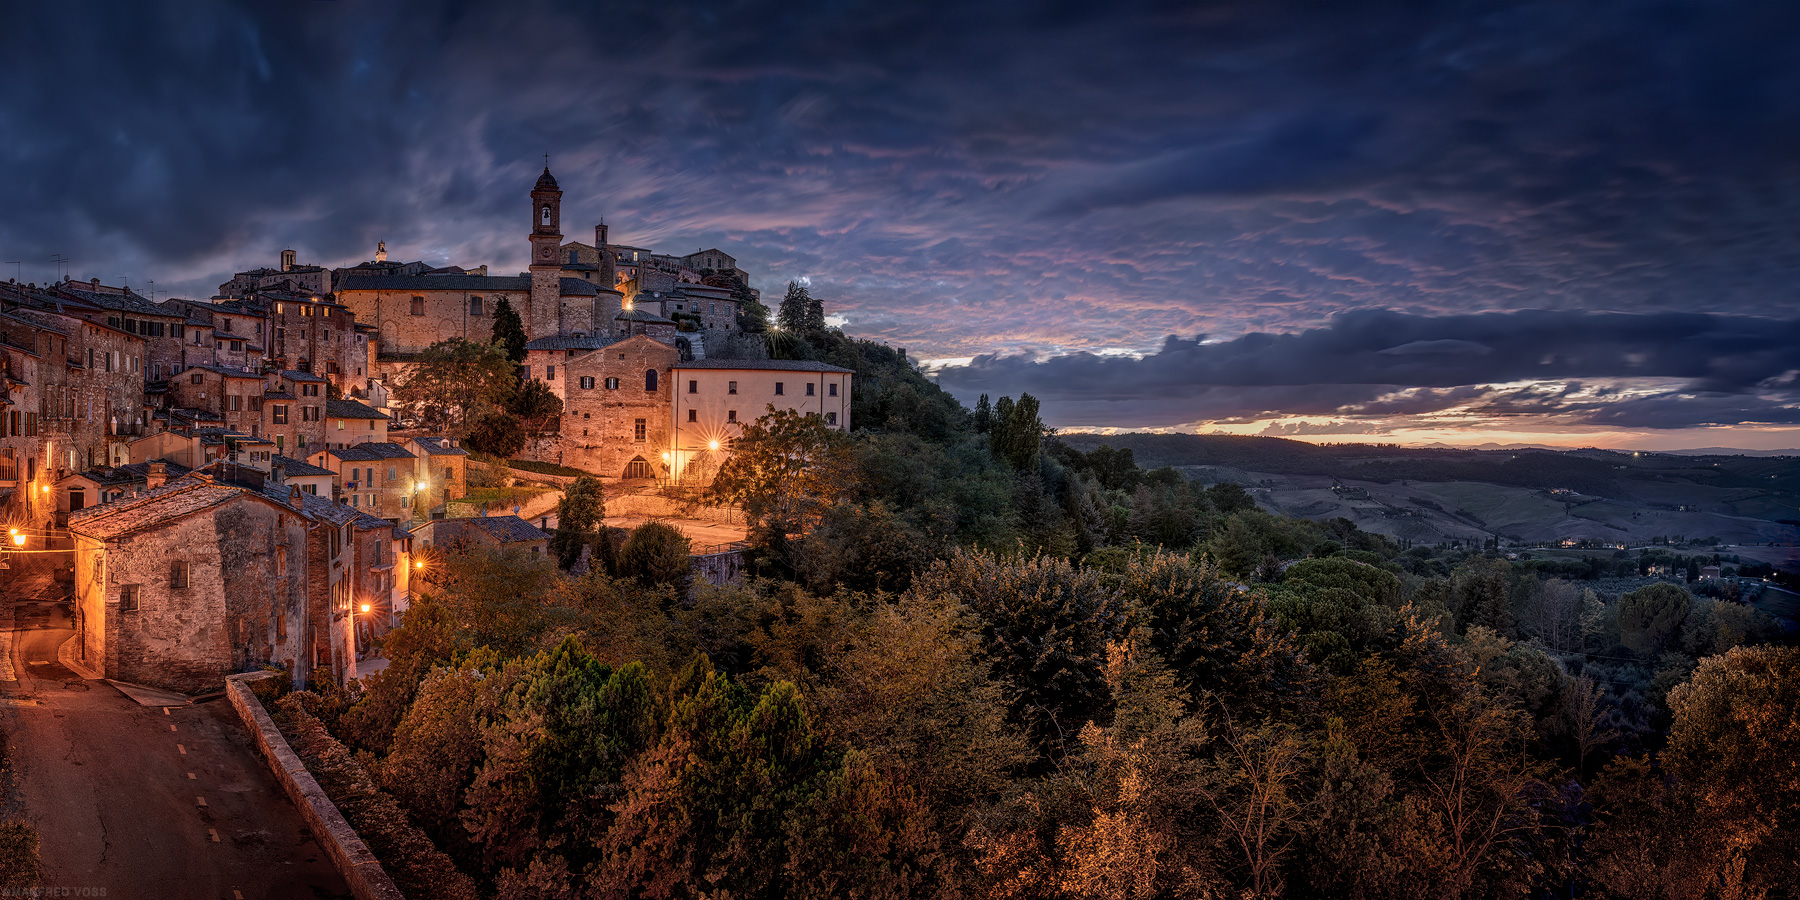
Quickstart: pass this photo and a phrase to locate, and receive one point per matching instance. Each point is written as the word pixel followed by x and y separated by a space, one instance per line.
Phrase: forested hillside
pixel 976 661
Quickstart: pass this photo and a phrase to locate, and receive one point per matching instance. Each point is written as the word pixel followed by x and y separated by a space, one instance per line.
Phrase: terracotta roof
pixel 172 501
pixel 569 342
pixel 424 283
pixel 294 466
pixel 351 409
pixel 764 365
pixel 437 447
pixel 370 451
pixel 578 287
pixel 505 529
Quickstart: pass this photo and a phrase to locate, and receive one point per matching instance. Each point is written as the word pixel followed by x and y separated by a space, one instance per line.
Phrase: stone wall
pixel 353 859
pixel 600 425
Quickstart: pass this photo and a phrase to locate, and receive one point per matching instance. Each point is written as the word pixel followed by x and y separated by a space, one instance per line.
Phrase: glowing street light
pixel 18 537
pixel 365 609
pixel 712 444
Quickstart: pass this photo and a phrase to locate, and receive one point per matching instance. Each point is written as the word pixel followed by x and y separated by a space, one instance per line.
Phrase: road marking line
pixel 215 834
pixel 171 726
pixel 179 748
pixel 200 800
pixel 190 776
pixel 165 710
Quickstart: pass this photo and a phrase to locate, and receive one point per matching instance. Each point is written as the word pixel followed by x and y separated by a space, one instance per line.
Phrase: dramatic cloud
pixel 980 179
pixel 1375 363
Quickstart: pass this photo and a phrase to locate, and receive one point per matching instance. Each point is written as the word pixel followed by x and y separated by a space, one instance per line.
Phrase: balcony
pixel 9 472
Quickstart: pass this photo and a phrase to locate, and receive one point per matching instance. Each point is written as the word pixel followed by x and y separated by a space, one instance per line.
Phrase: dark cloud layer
pixel 955 178
pixel 1377 363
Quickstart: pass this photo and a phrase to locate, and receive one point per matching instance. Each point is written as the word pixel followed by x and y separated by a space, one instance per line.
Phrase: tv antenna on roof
pixel 61 262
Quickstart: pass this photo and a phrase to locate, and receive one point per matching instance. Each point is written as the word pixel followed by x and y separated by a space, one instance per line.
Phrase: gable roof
pixel 178 498
pixel 570 342
pixel 426 283
pixel 438 446
pixel 370 451
pixel 764 365
pixel 504 529
pixel 299 467
pixel 351 409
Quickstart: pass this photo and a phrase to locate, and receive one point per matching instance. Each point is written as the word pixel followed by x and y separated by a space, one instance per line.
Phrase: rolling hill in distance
pixel 1520 494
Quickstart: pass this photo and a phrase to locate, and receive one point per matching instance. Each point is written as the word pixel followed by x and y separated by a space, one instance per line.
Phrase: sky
pixel 1459 222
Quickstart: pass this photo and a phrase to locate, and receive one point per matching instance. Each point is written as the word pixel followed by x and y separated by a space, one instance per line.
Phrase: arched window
pixel 649 379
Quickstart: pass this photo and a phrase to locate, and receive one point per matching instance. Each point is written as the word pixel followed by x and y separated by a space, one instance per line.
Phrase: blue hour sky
pixel 1568 223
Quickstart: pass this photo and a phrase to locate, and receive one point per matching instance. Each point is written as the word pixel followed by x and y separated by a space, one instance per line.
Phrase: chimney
pixel 294 499
pixel 288 258
pixel 159 476
pixel 381 251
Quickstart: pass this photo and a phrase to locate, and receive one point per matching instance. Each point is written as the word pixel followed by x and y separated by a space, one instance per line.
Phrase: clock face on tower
pixel 543 253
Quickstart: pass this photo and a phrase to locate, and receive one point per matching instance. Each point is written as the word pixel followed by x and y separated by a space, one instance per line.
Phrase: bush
pixel 497 433
pixel 656 553
pixel 417 866
pixel 18 859
pixel 544 468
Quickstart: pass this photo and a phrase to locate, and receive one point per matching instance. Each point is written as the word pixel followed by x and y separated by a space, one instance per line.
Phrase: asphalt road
pixel 140 802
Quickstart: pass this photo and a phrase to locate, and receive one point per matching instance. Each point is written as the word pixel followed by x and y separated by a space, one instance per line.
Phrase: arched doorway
pixel 637 468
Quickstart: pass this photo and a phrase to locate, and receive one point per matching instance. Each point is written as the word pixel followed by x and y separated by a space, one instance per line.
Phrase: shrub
pixel 417 866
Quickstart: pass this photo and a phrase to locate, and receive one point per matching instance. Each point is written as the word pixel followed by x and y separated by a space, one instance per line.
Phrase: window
pixel 256 404
pixel 549 373
pixel 197 378
pixel 340 424
pixel 587 382
pixel 612 384
pixel 831 390
pixel 650 379
pixel 731 415
pixel 391 473
pixel 637 430
pixel 831 418
pixel 693 415
pixel 279 411
pixel 693 387
pixel 809 389
pixel 418 306
pixel 780 389
pixel 474 306
pixel 128 598
pixel 730 387
pixel 178 574
pixel 237 403
pixel 238 346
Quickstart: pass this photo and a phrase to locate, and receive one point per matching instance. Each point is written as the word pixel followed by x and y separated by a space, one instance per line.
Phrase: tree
pixel 786 469
pixel 983 417
pixel 1017 432
pixel 497 433
pixel 801 312
pixel 455 382
pixel 1735 743
pixel 509 330
pixel 537 408
pixel 579 516
pixel 1650 617
pixel 656 553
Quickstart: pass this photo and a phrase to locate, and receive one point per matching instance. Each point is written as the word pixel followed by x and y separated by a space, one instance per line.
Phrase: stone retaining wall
pixel 367 880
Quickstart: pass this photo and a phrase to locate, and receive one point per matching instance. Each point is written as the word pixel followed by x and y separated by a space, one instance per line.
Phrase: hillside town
pixel 230 484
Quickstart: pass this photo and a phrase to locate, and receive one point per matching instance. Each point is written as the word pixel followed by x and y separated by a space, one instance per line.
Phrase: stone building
pixel 376 477
pixel 352 422
pixel 220 571
pixel 315 279
pixel 615 404
pixel 162 326
pixel 440 469
pixel 714 399
pixel 497 532
pixel 234 394
pixel 293 413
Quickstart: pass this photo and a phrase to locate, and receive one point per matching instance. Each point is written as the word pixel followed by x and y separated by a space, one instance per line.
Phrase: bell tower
pixel 546 268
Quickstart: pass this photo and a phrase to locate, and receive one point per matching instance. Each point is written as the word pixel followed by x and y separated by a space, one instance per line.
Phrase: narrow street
pixel 141 801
